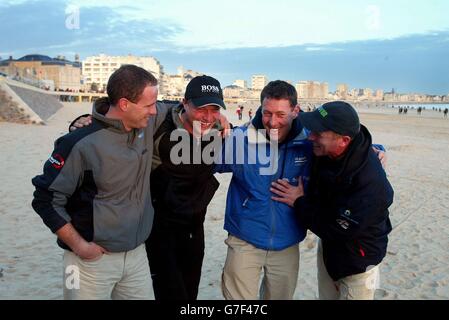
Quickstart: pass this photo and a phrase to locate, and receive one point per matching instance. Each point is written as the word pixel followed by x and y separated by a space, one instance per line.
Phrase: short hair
pixel 128 82
pixel 280 90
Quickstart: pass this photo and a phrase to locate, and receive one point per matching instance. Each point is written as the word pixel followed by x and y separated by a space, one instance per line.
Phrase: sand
pixel 415 268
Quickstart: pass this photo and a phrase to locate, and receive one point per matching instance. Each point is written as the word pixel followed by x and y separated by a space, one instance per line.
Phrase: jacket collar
pixel 176 113
pixel 99 110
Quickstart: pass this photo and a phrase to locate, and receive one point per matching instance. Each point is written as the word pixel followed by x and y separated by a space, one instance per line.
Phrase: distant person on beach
pixel 250 114
pixel 94 193
pixel 346 204
pixel 239 113
pixel 445 112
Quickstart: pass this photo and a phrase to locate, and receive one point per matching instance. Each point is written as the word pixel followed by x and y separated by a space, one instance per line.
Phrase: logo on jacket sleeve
pixel 343 223
pixel 57 161
pixel 299 161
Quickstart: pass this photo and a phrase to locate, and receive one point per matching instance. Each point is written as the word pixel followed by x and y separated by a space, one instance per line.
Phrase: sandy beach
pixel 416 266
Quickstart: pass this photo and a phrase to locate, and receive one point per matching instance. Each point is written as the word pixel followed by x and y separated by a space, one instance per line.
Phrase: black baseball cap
pixel 204 90
pixel 337 116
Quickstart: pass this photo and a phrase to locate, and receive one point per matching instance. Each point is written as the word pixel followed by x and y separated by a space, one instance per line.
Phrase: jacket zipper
pixel 133 147
pixel 273 213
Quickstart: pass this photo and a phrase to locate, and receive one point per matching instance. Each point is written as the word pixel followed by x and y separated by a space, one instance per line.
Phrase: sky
pixel 378 44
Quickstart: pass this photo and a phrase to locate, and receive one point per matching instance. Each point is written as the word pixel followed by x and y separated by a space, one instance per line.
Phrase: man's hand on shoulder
pixel 82 121
pixel 381 155
pixel 224 123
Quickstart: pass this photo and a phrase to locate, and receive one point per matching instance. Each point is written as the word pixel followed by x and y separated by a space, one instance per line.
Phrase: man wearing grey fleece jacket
pixel 94 195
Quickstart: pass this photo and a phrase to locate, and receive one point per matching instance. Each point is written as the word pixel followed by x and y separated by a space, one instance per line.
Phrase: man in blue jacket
pixel 264 234
pixel 346 204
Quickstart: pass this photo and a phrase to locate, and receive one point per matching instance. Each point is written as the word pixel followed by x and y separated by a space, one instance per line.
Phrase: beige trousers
pixel 360 286
pixel 244 265
pixel 117 276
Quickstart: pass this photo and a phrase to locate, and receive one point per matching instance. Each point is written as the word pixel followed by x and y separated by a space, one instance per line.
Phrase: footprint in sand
pixel 382 294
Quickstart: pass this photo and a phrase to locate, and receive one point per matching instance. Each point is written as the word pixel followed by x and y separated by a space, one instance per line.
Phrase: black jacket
pixel 180 192
pixel 347 207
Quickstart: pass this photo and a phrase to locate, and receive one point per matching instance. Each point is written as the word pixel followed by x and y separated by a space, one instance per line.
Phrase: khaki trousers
pixel 360 286
pixel 117 276
pixel 244 265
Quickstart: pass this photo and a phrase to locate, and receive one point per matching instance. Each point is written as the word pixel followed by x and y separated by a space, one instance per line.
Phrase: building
pixel 324 90
pixel 391 96
pixel 98 69
pixel 233 91
pixel 312 90
pixel 241 83
pixel 40 71
pixel 302 88
pixel 258 82
pixel 354 93
pixel 366 93
pixel 174 86
pixel 342 90
pixel 379 96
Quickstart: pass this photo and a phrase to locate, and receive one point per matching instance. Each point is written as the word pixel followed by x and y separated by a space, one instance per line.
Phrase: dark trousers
pixel 176 257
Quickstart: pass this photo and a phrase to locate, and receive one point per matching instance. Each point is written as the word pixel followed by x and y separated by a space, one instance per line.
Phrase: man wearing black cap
pixel 181 191
pixel 346 205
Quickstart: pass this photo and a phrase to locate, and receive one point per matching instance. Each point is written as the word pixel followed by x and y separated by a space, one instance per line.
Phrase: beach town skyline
pixel 378 45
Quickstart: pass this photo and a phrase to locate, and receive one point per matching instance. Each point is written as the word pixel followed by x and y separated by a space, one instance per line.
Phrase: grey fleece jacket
pixel 98 179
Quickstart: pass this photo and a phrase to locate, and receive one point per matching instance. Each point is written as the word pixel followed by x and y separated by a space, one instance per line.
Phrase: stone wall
pixel 44 105
pixel 10 111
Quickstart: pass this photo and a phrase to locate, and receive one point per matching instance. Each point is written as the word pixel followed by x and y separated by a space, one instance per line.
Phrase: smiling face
pixel 277 117
pixel 136 115
pixel 329 144
pixel 206 116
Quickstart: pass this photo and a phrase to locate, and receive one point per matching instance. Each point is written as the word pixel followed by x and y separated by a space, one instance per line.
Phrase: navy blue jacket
pixel 347 207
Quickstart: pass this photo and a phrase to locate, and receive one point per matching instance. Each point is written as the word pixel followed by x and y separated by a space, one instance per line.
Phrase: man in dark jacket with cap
pixel 181 189
pixel 346 205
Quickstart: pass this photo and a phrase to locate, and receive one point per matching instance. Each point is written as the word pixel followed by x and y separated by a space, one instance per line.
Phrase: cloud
pixel 373 22
pixel 416 63
pixel 45 26
pixel 323 48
